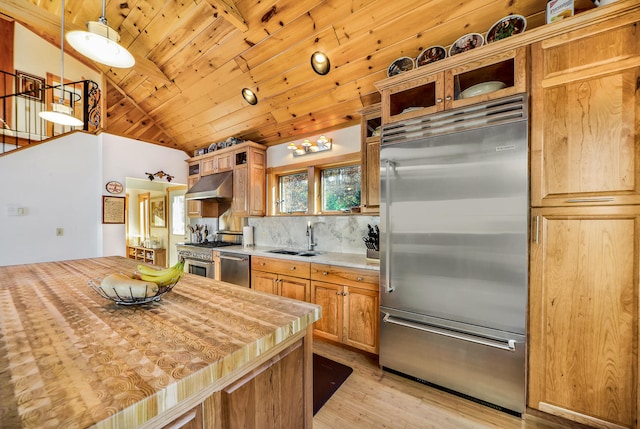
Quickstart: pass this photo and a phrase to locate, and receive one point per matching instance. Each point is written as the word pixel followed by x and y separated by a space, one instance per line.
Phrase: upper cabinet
pixel 432 88
pixel 248 162
pixel 370 159
pixel 585 128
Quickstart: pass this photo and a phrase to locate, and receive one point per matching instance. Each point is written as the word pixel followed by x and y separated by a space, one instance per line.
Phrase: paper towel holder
pixel 247 236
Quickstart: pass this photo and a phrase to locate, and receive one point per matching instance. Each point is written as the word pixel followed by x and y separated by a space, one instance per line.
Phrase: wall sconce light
pixel 320 63
pixel 160 174
pixel 249 96
pixel 307 147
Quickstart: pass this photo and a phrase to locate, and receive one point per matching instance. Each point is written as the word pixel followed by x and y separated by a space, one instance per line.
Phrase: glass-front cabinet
pixel 450 83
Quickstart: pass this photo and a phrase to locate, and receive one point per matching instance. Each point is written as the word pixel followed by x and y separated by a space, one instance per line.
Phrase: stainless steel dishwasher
pixel 235 268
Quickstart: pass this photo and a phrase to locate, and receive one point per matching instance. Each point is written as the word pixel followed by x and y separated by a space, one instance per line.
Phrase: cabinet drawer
pixel 366 279
pixel 281 266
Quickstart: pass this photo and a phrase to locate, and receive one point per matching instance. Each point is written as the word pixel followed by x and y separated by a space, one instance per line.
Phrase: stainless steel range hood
pixel 217 186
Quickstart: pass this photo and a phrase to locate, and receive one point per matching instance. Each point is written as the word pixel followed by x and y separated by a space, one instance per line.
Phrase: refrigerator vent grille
pixel 504 110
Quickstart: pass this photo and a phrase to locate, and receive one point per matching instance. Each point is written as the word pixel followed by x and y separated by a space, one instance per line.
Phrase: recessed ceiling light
pixel 320 63
pixel 249 96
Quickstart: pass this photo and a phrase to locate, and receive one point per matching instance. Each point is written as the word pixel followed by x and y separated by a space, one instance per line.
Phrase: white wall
pixel 42 57
pixel 60 184
pixel 124 158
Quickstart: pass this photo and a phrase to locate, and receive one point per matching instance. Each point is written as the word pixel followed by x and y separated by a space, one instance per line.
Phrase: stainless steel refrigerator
pixel 454 239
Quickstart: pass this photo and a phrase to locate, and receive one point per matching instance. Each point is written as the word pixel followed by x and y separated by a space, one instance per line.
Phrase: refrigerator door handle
pixel 509 344
pixel 388 288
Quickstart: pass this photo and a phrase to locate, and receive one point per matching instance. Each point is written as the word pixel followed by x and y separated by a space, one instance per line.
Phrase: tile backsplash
pixel 331 233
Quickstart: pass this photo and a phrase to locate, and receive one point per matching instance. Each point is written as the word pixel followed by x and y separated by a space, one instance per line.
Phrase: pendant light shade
pixel 100 43
pixel 60 113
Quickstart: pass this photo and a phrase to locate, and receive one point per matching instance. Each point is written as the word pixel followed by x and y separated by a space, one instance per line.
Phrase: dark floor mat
pixel 328 376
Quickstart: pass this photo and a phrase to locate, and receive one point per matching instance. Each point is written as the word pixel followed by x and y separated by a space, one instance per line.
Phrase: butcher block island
pixel 207 354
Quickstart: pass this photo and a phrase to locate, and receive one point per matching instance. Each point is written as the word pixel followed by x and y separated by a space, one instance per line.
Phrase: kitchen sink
pixel 294 252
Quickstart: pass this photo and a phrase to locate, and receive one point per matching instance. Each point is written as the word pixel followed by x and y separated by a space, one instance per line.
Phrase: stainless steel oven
pixel 200 267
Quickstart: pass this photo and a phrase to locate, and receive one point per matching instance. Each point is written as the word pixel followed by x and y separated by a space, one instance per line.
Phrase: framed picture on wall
pixel 157 211
pixel 113 209
pixel 30 86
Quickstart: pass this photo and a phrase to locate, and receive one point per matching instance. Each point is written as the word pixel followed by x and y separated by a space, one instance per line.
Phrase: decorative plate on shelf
pixel 400 65
pixel 430 55
pixel 213 147
pixel 466 43
pixel 506 27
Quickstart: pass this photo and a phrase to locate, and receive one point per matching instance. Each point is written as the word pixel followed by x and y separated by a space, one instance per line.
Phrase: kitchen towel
pixel 247 236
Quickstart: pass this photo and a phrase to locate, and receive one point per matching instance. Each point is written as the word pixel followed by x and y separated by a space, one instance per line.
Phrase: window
pixel 306 188
pixel 294 193
pixel 340 188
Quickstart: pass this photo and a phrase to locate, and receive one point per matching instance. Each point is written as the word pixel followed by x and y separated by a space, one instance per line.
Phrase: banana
pixel 170 276
pixel 121 286
pixel 150 271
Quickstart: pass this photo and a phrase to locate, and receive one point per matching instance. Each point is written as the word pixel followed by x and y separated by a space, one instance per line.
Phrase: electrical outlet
pixel 59 232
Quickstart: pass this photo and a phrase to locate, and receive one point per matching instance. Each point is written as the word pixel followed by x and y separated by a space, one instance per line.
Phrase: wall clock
pixel 114 187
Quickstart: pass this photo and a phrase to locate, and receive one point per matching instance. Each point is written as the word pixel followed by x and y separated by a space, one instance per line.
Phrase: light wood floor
pixel 371 398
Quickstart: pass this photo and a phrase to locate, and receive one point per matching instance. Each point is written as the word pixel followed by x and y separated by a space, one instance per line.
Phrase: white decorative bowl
pixel 482 88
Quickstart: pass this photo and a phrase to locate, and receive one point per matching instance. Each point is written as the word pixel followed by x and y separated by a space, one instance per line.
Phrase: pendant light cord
pixel 61 100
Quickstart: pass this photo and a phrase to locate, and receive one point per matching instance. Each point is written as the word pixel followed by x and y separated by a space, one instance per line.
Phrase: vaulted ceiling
pixel 195 56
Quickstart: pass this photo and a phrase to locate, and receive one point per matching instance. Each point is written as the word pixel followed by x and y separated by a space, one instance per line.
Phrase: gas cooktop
pixel 210 244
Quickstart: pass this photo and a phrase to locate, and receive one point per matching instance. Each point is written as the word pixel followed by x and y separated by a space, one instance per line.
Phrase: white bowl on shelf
pixel 482 88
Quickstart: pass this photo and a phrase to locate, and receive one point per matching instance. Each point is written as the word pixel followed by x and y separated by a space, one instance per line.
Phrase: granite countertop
pixel 353 260
pixel 70 358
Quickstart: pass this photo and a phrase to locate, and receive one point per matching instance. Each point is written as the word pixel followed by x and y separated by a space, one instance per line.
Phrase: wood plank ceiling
pixel 195 56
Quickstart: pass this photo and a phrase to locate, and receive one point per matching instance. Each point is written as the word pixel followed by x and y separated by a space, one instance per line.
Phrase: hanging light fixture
pixel 60 113
pixel 320 63
pixel 100 43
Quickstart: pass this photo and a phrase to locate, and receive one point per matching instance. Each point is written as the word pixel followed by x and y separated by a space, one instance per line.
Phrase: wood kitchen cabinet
pixel 584 267
pixel 585 111
pixel 282 277
pixel 217 164
pixel 583 322
pixel 350 305
pixel 249 182
pixel 248 162
pixel 434 88
pixel 370 159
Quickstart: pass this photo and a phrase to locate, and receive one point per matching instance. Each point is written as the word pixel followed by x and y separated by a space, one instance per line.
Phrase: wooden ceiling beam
pixel 231 13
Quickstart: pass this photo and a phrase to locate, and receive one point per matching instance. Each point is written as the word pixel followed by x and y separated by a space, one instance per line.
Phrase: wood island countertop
pixel 71 358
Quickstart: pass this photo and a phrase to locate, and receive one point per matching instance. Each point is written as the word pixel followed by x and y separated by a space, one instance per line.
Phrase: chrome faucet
pixel 310 241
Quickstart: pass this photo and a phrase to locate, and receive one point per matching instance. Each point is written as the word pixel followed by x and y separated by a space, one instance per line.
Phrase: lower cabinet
pixel 278 284
pixel 192 419
pixel 583 314
pixel 281 277
pixel 151 256
pixel 350 304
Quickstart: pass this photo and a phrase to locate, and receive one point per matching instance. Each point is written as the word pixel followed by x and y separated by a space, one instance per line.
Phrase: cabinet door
pixel 361 314
pixel 224 162
pixel 585 115
pixel 264 282
pixel 194 207
pixel 329 297
pixel 257 205
pixel 416 97
pixel 240 187
pixel 509 67
pixel 208 166
pixel 583 321
pixel 292 287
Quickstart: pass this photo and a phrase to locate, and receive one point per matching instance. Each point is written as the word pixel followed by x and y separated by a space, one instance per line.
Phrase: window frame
pixel 314 173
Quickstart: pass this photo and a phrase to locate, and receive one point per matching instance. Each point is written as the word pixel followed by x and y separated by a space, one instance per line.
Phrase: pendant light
pixel 100 43
pixel 60 113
